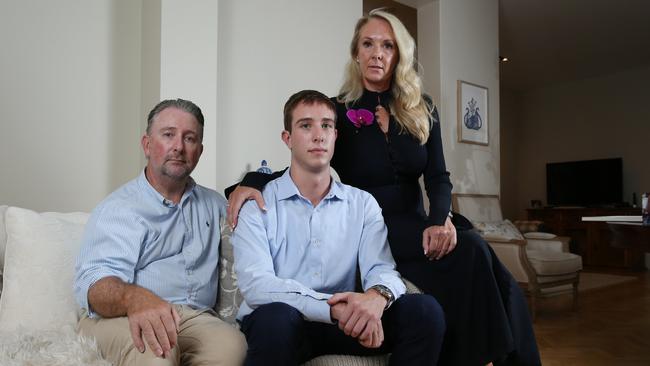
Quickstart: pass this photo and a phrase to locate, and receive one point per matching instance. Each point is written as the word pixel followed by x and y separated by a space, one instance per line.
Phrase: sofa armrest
pixel 410 287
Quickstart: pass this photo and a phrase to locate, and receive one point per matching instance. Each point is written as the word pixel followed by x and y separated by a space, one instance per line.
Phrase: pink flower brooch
pixel 360 117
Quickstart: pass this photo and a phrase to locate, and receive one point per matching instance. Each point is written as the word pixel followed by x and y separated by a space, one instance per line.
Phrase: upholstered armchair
pixel 540 262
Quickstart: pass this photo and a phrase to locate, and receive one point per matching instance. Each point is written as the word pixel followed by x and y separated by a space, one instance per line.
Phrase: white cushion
pixel 500 230
pixel 539 235
pixel 548 263
pixel 40 257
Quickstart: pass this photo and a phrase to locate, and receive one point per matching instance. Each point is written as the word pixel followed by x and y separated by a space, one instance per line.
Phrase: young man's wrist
pixel 386 293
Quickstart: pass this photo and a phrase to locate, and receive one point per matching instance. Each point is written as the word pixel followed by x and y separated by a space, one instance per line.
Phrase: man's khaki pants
pixel 203 339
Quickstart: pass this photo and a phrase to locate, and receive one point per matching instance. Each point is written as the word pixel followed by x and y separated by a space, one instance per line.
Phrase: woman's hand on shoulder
pixel 438 241
pixel 236 200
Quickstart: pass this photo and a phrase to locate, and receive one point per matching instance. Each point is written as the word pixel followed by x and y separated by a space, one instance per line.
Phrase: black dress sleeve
pixel 436 176
pixel 255 180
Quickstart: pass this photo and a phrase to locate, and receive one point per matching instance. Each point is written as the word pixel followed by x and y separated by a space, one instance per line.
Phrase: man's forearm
pixel 110 296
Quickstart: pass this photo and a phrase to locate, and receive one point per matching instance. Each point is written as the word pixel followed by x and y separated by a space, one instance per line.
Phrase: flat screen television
pixel 588 183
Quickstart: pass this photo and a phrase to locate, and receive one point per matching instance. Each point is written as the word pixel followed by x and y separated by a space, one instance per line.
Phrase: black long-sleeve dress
pixel 486 312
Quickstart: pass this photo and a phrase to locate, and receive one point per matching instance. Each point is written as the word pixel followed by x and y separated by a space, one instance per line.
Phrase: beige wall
pixel 469 47
pixel 269 50
pixel 69 95
pixel 509 133
pixel 78 77
pixel 596 118
pixel 188 68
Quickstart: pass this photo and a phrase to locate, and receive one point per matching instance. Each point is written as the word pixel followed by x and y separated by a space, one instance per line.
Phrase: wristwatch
pixel 386 293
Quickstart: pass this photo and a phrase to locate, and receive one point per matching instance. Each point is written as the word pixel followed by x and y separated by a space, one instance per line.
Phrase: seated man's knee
pixel 225 347
pixel 284 320
pixel 277 312
pixel 274 333
pixel 115 342
pixel 424 314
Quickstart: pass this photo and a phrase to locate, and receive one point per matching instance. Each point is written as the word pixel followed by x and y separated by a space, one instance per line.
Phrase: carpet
pixel 592 280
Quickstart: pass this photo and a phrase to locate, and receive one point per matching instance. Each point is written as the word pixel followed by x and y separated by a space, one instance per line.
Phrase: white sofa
pixel 38 313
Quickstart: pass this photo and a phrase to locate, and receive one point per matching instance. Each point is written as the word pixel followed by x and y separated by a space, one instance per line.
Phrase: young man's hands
pixel 359 315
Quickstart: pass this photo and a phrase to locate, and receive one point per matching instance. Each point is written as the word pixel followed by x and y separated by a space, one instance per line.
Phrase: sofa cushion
pixel 229 297
pixel 40 258
pixel 498 230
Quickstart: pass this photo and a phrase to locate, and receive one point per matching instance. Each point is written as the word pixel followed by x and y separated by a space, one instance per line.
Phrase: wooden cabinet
pixel 592 240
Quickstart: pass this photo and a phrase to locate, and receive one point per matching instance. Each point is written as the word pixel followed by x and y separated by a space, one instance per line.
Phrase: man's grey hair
pixel 182 104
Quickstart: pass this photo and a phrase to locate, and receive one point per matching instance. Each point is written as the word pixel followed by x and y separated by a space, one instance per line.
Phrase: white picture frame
pixel 473 121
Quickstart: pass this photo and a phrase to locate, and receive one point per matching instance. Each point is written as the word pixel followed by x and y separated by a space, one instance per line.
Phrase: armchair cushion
pixel 549 263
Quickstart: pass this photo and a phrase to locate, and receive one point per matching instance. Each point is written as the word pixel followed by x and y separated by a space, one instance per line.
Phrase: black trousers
pixel 277 334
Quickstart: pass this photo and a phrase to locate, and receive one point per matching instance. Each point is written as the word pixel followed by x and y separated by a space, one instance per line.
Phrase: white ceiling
pixel 555 41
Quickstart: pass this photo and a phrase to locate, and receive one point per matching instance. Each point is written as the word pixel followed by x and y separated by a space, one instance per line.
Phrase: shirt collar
pixel 144 183
pixel 287 188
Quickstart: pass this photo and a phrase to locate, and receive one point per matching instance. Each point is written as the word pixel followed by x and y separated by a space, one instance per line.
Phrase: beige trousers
pixel 203 339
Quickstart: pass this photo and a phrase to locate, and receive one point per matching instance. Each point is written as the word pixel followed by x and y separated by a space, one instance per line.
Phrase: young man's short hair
pixel 308 97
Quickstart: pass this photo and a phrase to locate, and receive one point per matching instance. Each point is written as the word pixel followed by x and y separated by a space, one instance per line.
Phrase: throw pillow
pixel 500 230
pixel 229 297
pixel 40 257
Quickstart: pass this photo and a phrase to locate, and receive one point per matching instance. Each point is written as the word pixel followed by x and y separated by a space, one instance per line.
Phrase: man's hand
pixel 237 199
pixel 438 241
pixel 150 317
pixel 361 316
pixel 152 320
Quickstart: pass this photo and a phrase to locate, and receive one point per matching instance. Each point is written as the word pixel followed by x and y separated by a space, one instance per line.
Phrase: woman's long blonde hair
pixel 408 106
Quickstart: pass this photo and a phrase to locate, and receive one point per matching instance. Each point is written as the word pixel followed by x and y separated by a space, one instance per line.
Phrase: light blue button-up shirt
pixel 300 255
pixel 137 235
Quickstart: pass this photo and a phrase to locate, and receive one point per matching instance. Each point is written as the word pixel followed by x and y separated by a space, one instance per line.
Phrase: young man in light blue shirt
pixel 147 271
pixel 298 261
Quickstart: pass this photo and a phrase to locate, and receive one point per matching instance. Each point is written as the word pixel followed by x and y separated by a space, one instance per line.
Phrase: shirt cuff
pixel 320 312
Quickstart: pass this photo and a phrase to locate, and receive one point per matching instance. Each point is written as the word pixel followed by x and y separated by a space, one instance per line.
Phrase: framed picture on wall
pixel 472 113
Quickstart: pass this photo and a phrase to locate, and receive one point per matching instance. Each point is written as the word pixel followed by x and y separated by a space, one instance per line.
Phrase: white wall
pixel 469 51
pixel 595 118
pixel 188 69
pixel 69 92
pixel 78 77
pixel 267 51
pixel 429 48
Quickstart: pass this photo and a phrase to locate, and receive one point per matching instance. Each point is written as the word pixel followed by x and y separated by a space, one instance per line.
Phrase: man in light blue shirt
pixel 297 262
pixel 147 271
